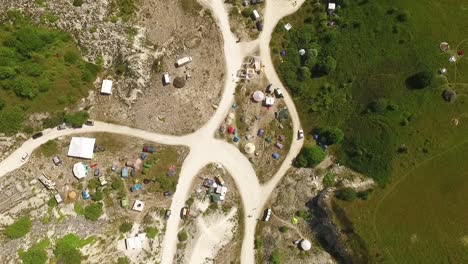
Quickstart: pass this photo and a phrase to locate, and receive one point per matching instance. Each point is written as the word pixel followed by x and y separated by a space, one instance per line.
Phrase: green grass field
pixel 398 136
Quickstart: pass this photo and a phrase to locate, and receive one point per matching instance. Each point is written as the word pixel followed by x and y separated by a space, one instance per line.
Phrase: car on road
pixel 167 193
pixel 300 134
pixel 167 214
pixel 90 123
pixel 24 157
pixel 62 127
pixel 37 135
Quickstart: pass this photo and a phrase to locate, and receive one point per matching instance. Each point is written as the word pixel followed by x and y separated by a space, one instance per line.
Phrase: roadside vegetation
pixel 41 70
pixel 372 72
pixel 19 228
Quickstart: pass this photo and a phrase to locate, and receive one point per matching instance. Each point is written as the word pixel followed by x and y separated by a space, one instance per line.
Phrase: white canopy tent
pixel 106 87
pixel 81 147
pixel 79 170
pixel 306 245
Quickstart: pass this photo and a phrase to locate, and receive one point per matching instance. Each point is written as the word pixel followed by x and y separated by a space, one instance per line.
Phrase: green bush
pixel 151 232
pixel 302 214
pixel 2 104
pixel 247 12
pixel 24 88
pixel 325 65
pixel 76 119
pixel 97 196
pixel 330 135
pixel 123 260
pixel 71 57
pixel 329 180
pixel 125 227
pixel 7 73
pixel 258 243
pixel 11 120
pixel 67 249
pixel 346 194
pixel 283 229
pixel 276 256
pixel 19 228
pixel 77 2
pixel 420 80
pixel 182 236
pixel 310 157
pixel 93 211
pixel 364 195
pixel 35 254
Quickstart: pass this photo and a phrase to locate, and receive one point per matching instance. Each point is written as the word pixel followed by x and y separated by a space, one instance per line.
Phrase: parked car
pixel 300 134
pixel 90 123
pixel 184 212
pixel 57 161
pixel 37 135
pixel 167 214
pixel 24 157
pixel 278 93
pixel 167 193
pixel 97 172
pixel 269 89
pixel 62 127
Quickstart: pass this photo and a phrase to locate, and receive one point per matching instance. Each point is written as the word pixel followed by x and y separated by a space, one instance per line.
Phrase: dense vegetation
pixel 41 70
pixel 19 228
pixel 67 249
pixel 36 254
pixel 309 157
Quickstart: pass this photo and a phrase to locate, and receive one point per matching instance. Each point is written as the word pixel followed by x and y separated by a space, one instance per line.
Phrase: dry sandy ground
pixel 167 109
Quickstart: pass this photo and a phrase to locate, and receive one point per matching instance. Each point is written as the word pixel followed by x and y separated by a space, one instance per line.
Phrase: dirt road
pixel 204 149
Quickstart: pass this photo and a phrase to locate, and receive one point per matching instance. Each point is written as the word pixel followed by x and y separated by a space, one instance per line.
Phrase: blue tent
pixel 275 155
pixel 136 187
pixel 85 195
pixel 236 138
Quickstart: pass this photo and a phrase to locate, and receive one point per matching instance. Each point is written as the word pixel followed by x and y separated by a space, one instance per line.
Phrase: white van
pixel 166 79
pixel 256 15
pixel 183 61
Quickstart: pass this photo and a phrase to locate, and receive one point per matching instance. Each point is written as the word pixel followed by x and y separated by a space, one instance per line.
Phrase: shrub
pixel 151 232
pixel 98 196
pixel 24 88
pixel 11 120
pixel 329 180
pixel 346 194
pixel 71 57
pixel 310 157
pixel 283 229
pixel 125 227
pixel 77 2
pixel 2 104
pixel 364 195
pixel 19 228
pixel 182 236
pixel 35 254
pixel 258 243
pixel 330 135
pixel 325 65
pixel 276 256
pixel 247 12
pixel 67 249
pixel 93 211
pixel 302 214
pixel 420 80
pixel 123 260
pixel 7 73
pixel 76 119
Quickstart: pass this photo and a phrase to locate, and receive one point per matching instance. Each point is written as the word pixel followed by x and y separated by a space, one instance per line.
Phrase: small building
pixel 215 198
pixel 124 172
pixel 209 183
pixel 166 79
pixel 138 206
pixel 183 61
pixel 58 198
pixel 135 243
pixel 259 25
pixel 80 170
pixel 255 15
pixel 106 87
pixel 81 147
pixel 278 93
pixel 222 190
pixel 275 156
pixel 287 27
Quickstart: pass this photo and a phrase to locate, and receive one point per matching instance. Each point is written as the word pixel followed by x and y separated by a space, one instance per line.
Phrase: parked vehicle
pixel 90 123
pixel 62 127
pixel 167 193
pixel 269 89
pixel 278 93
pixel 24 157
pixel 37 135
pixel 167 214
pixel 184 212
pixel 166 79
pixel 300 134
pixel 97 172
pixel 57 161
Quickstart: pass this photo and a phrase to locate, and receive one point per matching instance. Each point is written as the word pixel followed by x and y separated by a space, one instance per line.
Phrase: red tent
pixel 231 130
pixel 461 52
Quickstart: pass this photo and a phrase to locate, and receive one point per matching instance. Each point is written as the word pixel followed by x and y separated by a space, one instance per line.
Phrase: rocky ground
pixel 301 195
pixel 22 194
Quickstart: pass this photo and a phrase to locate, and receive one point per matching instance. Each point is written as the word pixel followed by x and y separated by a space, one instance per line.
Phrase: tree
pixel 34 256
pixel 346 194
pixel 151 232
pixel 330 135
pixel 19 228
pixel 276 256
pixel 93 211
pixel 7 73
pixel 182 236
pixel 283 229
pixel 329 180
pixel 247 12
pixel 24 88
pixel 258 243
pixel 125 227
pixel 71 57
pixel 325 65
pixel 420 80
pixel 76 119
pixel 310 157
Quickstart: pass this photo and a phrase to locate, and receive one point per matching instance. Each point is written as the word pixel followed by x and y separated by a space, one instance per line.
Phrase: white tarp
pixel 81 147
pixel 138 206
pixel 79 170
pixel 106 87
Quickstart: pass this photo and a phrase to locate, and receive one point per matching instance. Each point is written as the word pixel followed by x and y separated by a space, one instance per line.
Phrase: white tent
pixel 249 148
pixel 258 96
pixel 306 245
pixel 331 6
pixel 106 87
pixel 269 101
pixel 138 206
pixel 81 147
pixel 79 170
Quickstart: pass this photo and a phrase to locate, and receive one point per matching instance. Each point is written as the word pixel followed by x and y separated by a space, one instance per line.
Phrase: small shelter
pixel 124 172
pixel 81 147
pixel 58 198
pixel 79 170
pixel 302 52
pixel 275 156
pixel 444 46
pixel 305 245
pixel 72 195
pixel 331 6
pixel 138 206
pixel 269 101
pixel 249 148
pixel 106 87
pixel 287 27
pixel 452 59
pixel 258 96
pixel 136 242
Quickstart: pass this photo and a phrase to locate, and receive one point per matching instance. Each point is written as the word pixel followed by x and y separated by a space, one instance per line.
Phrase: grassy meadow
pixel 402 137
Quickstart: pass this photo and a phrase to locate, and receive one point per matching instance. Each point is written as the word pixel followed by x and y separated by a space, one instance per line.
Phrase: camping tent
pixel 138 206
pixel 249 148
pixel 306 245
pixel 106 87
pixel 81 147
pixel 258 96
pixel 79 170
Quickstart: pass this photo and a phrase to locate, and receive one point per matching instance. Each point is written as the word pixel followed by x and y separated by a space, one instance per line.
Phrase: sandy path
pixel 204 149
